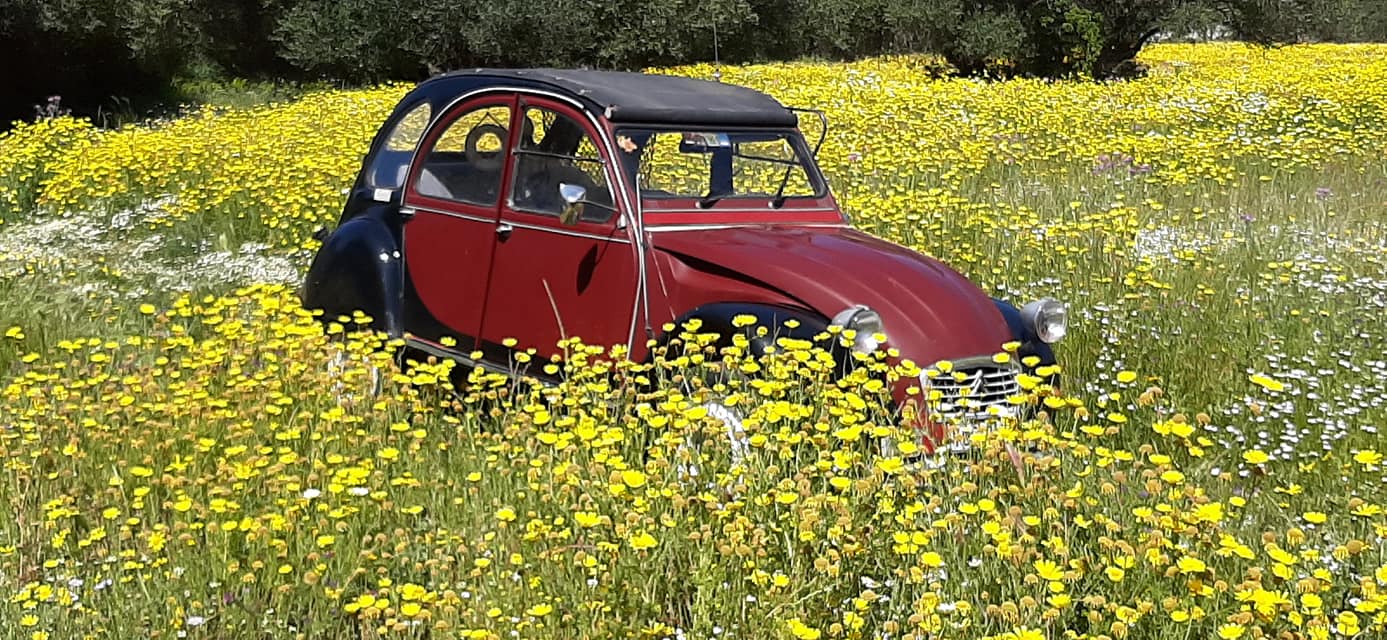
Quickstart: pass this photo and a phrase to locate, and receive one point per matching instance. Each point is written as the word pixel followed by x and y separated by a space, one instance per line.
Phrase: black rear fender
pixel 359 268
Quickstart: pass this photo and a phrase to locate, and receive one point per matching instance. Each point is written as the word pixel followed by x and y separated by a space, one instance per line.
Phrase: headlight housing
pixel 1047 318
pixel 865 323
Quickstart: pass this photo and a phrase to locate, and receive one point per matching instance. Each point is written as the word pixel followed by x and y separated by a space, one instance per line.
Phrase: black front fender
pixel 721 318
pixel 1030 344
pixel 359 268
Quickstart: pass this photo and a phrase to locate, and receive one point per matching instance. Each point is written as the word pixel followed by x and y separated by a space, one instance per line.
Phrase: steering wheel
pixel 485 160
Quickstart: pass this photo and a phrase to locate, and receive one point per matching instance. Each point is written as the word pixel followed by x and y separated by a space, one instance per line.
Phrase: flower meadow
pixel 188 453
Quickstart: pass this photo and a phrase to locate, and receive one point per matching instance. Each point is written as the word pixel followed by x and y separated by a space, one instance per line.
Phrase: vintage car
pixel 499 210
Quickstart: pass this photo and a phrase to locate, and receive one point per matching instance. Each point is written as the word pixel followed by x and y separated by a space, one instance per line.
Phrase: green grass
pixel 1183 297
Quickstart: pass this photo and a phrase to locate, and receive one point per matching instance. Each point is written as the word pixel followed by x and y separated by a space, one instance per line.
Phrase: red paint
pixel 678 211
pixel 547 284
pixel 448 258
pixel 930 311
pixel 677 285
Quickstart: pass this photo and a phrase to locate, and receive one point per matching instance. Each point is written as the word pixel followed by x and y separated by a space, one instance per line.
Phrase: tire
pixel 340 363
pixel 730 419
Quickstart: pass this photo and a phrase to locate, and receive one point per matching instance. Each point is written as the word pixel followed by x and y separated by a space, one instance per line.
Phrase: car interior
pixel 555 150
pixel 466 162
pixel 467 165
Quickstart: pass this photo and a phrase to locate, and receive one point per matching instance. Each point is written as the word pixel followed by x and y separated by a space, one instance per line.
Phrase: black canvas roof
pixel 654 99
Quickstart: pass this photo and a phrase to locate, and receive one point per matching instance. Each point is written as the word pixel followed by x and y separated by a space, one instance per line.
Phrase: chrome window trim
pixel 811 168
pixel 452 214
pixel 757 210
pixel 521 108
pixel 667 228
pixel 565 232
pixel 433 123
pixel 522 225
pixel 518 91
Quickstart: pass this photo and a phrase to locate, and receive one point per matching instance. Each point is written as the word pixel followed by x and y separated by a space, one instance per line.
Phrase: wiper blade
pixel 778 200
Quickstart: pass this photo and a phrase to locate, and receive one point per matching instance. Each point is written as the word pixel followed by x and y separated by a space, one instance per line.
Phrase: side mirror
pixel 575 196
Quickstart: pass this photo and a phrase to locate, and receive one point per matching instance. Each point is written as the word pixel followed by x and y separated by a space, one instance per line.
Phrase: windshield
pixel 717 166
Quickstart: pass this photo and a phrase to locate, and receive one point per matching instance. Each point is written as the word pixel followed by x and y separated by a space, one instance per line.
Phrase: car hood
pixel 930 312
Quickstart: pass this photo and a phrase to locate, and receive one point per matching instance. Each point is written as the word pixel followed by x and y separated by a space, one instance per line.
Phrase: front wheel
pixel 692 467
pixel 354 377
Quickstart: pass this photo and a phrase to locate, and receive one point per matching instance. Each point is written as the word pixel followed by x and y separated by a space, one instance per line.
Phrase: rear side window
pixel 388 168
pixel 410 128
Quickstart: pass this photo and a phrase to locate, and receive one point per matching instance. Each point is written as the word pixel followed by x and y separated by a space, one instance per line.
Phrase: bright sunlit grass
pixel 187 453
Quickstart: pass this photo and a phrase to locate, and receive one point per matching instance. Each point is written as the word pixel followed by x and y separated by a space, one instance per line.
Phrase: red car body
pixel 465 242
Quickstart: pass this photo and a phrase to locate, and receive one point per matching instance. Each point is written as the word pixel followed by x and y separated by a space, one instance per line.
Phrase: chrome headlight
pixel 1047 318
pixel 865 322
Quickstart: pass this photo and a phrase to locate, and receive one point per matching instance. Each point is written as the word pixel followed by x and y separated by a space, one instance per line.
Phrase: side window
pixel 466 160
pixel 410 128
pixel 555 149
pixel 388 168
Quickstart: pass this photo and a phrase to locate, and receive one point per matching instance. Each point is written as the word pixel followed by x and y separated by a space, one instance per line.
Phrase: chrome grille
pixel 966 393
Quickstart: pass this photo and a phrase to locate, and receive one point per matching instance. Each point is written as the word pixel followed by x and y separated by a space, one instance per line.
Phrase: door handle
pixel 504 230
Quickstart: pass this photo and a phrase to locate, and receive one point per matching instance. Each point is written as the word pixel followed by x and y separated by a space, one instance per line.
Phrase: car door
pixel 452 200
pixel 551 280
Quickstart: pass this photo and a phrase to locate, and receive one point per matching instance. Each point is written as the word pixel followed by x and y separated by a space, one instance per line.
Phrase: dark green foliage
pixel 47 49
pixel 377 39
pixel 90 51
pixel 359 39
pixel 1284 21
pixel 1050 38
pixel 1195 21
pixel 111 56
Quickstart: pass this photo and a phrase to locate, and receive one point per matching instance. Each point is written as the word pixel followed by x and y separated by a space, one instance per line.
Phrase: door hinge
pixel 407 213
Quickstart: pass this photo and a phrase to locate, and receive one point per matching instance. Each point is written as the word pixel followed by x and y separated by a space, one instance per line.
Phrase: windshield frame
pixel 685 207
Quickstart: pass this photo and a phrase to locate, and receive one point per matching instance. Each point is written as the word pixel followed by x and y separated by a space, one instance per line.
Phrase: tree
pixel 1050 38
pixel 360 40
pixel 91 50
pixel 75 49
pixel 1101 38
